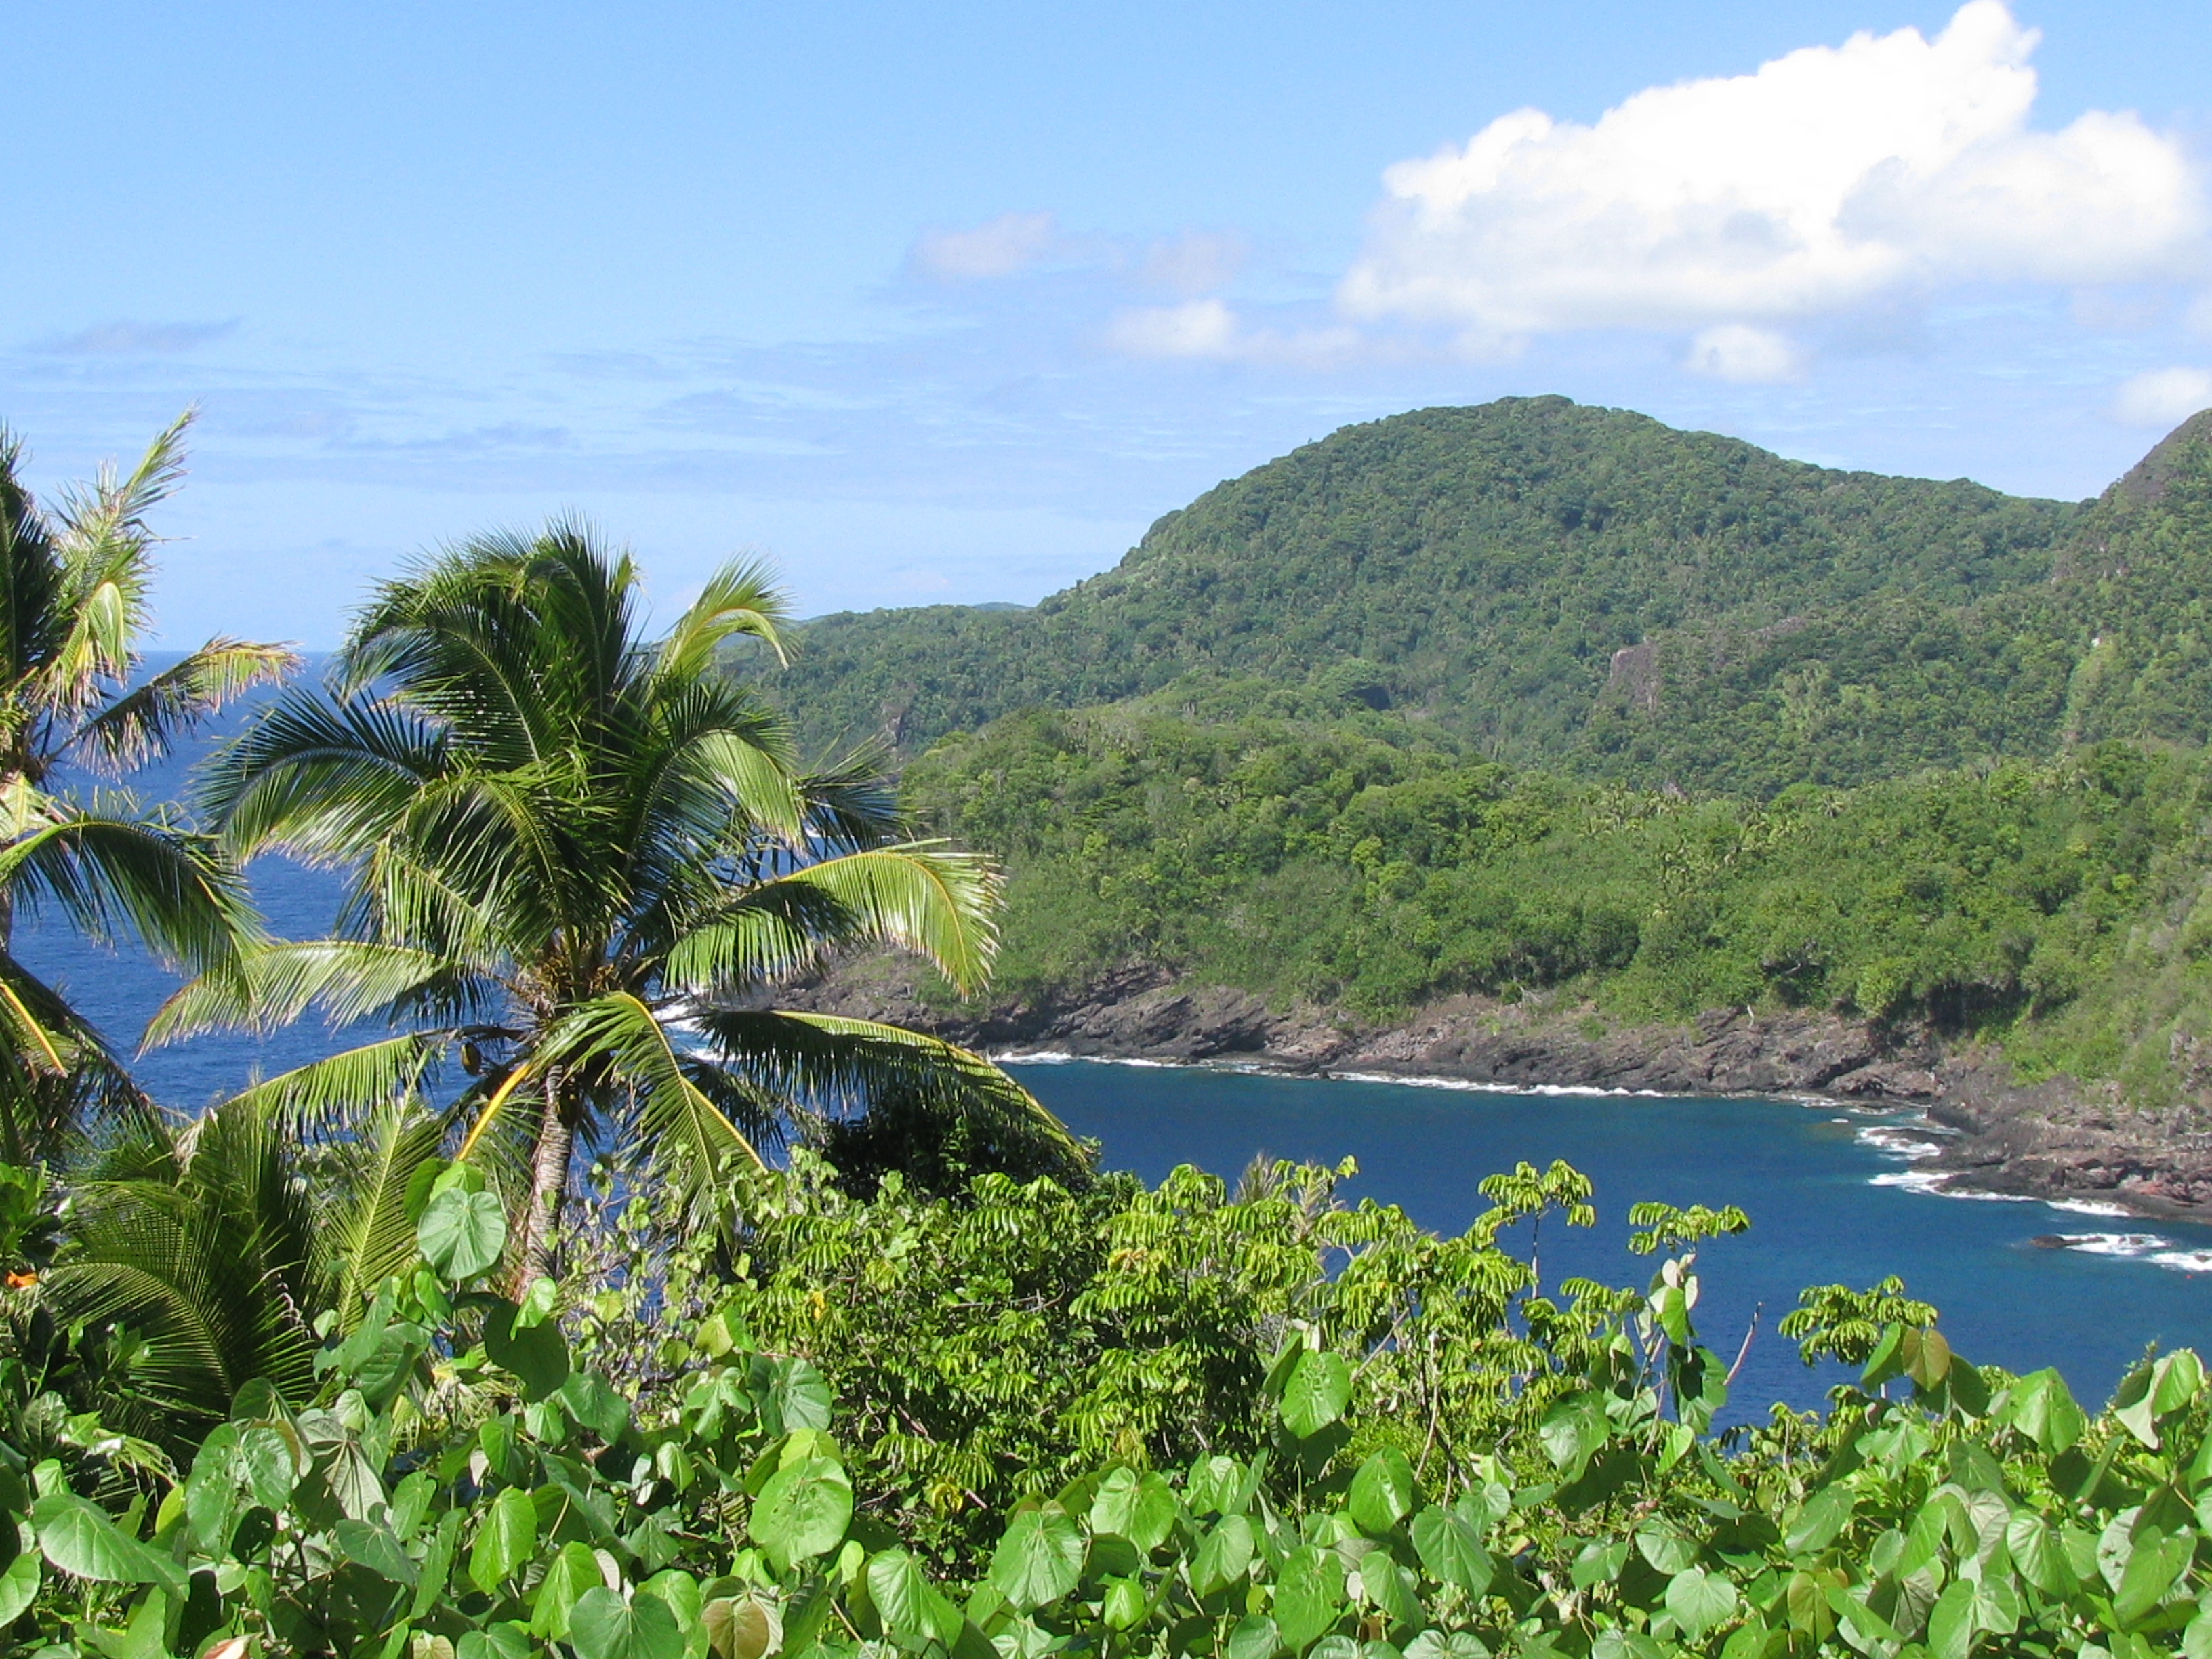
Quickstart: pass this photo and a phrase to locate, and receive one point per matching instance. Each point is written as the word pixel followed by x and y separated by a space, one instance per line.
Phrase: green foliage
pixel 74 585
pixel 560 837
pixel 1325 862
pixel 420 1501
pixel 990 1349
pixel 936 1149
pixel 1481 567
pixel 1833 1321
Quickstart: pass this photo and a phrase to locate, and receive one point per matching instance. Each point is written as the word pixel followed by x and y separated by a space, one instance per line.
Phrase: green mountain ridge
pixel 1587 589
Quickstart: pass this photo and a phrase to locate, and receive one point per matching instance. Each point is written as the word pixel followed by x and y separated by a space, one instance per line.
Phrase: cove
pixel 1830 1195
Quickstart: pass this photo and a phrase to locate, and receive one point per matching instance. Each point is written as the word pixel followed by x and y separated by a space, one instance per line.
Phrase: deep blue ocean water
pixel 1831 1194
pixel 1832 1197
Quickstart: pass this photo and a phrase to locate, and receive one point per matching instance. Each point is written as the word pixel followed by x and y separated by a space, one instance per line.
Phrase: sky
pixel 947 303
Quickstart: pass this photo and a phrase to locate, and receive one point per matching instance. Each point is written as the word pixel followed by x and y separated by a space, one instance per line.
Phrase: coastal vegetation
pixel 2055 905
pixel 582 1303
pixel 1481 571
pixel 563 836
pixel 1585 591
pixel 1175 1422
pixel 1536 698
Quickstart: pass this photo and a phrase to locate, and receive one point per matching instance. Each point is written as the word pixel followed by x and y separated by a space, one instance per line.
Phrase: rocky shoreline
pixel 2058 1138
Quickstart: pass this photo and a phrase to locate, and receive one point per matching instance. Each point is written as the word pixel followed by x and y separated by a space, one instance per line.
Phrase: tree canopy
pixel 568 846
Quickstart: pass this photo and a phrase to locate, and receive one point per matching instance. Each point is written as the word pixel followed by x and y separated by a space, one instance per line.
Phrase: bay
pixel 1831 1194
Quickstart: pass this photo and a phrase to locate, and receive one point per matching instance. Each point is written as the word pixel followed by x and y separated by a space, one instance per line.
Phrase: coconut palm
pixel 74 584
pixel 580 862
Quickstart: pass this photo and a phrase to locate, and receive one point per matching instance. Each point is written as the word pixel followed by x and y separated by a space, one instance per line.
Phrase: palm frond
pixel 105 545
pixel 320 780
pixel 208 1264
pixel 106 867
pixel 275 982
pixel 739 598
pixel 761 934
pixel 144 723
pixel 33 615
pixel 327 1096
pixel 827 1059
pixel 694 1145
pixel 55 1114
pixel 371 1235
pixel 492 1116
pixel 851 803
pixel 922 896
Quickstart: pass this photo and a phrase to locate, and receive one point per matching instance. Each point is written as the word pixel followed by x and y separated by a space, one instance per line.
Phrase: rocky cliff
pixel 2055 1139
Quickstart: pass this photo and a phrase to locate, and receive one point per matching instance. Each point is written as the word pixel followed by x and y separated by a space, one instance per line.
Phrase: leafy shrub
pixel 465 1485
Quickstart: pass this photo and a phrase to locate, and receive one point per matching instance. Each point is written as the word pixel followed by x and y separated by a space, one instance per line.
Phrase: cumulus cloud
pixel 2163 397
pixel 1736 351
pixel 998 248
pixel 139 339
pixel 1830 179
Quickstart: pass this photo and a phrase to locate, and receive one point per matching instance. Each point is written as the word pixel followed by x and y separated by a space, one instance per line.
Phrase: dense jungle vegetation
pixel 590 1305
pixel 1535 697
pixel 1586 590
pixel 1479 568
pixel 2060 904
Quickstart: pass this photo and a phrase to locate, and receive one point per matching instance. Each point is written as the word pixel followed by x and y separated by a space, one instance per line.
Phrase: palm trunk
pixel 549 1181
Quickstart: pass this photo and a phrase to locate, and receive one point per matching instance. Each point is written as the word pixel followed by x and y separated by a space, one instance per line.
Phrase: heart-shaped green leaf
pixel 602 1625
pixel 1039 1559
pixel 1451 1550
pixel 1319 1389
pixel 1382 1492
pixel 504 1540
pixel 1699 1601
pixel 461 1234
pixel 802 1510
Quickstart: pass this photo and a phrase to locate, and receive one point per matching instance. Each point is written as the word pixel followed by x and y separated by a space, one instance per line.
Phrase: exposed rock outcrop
pixel 2057 1138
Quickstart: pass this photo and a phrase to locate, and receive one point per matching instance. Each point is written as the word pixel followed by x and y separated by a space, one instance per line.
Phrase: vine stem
pixel 1744 1352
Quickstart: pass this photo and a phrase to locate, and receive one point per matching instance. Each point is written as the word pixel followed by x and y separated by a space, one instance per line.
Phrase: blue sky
pixel 948 303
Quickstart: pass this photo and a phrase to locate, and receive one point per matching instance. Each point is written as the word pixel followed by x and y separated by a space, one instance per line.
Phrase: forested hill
pixel 1552 584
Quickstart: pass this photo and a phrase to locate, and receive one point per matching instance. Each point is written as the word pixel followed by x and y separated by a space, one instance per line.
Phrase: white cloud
pixel 1736 351
pixel 1832 178
pixel 997 247
pixel 1196 328
pixel 1209 329
pixel 2162 398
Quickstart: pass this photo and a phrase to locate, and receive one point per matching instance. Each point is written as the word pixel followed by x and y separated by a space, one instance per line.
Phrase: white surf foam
pixel 2154 1248
pixel 1062 1057
pixel 1469 1085
pixel 1898 1142
pixel 2120 1244
pixel 1913 1181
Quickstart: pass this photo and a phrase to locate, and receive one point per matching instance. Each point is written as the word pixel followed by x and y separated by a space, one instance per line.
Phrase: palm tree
pixel 571 848
pixel 199 1257
pixel 74 587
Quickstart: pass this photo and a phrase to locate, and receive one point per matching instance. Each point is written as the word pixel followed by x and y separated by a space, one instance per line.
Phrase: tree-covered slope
pixel 2116 644
pixel 1485 568
pixel 2133 591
